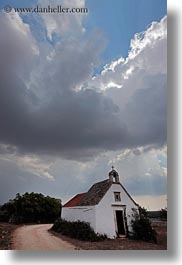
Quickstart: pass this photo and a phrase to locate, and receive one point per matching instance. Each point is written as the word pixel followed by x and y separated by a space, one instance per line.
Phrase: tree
pixel 33 207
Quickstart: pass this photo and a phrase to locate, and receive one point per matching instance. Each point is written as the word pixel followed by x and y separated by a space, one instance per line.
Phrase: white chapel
pixel 107 206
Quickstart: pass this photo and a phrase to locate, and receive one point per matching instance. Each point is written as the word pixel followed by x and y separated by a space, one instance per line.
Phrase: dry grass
pixel 161 229
pixel 123 244
pixel 5 235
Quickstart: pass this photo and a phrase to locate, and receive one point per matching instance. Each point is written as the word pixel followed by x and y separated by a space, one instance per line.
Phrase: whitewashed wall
pixel 82 213
pixel 105 212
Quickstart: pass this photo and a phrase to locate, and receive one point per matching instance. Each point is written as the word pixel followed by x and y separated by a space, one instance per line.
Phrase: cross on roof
pixel 112 167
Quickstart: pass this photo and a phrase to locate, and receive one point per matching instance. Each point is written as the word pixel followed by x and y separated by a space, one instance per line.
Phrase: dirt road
pixel 37 237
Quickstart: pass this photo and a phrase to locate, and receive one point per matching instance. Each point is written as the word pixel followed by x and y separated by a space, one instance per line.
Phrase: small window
pixel 117 196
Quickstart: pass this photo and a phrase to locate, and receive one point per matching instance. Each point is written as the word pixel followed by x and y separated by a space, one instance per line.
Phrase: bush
pixel 141 226
pixel 78 230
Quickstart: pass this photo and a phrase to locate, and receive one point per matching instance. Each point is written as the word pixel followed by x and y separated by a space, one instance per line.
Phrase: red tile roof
pixel 75 200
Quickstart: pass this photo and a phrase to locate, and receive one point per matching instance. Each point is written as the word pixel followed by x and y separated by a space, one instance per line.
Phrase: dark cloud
pixel 78 124
pixel 55 118
pixel 72 122
pixel 146 113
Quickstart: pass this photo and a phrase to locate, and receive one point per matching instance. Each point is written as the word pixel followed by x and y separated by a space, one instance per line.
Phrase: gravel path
pixel 37 237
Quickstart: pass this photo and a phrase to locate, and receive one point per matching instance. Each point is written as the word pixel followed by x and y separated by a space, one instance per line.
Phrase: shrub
pixel 78 230
pixel 163 214
pixel 141 226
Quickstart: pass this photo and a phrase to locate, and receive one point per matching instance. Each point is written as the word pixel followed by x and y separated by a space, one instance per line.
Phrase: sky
pixel 80 93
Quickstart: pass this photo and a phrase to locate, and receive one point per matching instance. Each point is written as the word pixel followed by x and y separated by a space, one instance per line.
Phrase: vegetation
pixel 78 230
pixel 163 214
pixel 6 231
pixel 141 225
pixel 31 208
pixel 153 214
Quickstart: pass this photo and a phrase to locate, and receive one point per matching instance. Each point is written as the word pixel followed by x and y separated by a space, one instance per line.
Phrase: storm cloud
pixel 48 104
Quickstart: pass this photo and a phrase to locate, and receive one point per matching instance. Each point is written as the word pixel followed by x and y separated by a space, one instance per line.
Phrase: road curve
pixel 37 237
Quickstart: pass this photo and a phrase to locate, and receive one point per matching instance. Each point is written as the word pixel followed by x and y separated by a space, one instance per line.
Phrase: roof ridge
pixel 105 180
